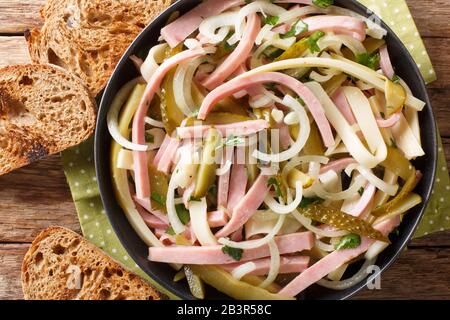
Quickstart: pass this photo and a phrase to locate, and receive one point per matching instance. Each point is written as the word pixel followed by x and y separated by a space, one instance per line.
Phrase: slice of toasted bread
pixel 89 37
pixel 43 110
pixel 61 265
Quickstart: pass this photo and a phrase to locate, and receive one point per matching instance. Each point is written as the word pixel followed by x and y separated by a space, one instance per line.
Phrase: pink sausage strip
pixel 385 62
pixel 243 128
pixel 161 150
pixel 138 130
pixel 334 260
pixel 247 206
pixel 285 136
pixel 338 24
pixel 178 30
pixel 217 218
pixel 291 243
pixel 146 204
pixel 294 264
pixel 224 180
pixel 389 122
pixel 342 104
pixel 151 220
pixel 364 201
pixel 168 156
pixel 238 185
pixel 337 165
pixel 238 56
pixel 299 88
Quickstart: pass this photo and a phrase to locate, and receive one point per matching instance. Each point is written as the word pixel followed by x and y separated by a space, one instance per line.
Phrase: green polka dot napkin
pixel 80 173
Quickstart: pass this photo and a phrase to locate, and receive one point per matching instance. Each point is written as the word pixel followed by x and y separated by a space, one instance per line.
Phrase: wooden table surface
pixel 37 196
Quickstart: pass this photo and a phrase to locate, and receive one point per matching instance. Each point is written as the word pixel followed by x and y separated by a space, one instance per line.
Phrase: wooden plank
pixel 437 10
pixel 438 239
pixel 19 15
pixel 11 256
pixel 439 50
pixel 417 274
pixel 33 198
pixel 13 50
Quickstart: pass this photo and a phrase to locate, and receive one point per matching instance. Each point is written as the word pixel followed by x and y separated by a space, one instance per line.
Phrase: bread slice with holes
pixel 61 265
pixel 43 110
pixel 88 37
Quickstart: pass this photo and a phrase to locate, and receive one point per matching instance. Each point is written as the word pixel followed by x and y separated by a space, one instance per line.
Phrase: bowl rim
pixel 107 198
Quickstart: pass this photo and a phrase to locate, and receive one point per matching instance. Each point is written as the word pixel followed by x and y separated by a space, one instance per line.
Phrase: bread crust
pixel 58 257
pixel 43 110
pixel 89 37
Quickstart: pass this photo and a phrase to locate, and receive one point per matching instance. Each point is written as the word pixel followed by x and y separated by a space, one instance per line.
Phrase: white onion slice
pixel 154 122
pixel 319 77
pixel 158 137
pixel 324 246
pixel 182 85
pixel 222 22
pixel 252 244
pixel 262 222
pixel 257 6
pixel 352 190
pixel 260 101
pixel 338 63
pixel 390 189
pixel 375 249
pixel 154 58
pixel 288 208
pixel 243 270
pixel 113 114
pixel 344 284
pixel 274 264
pixel 224 169
pixel 298 145
pixel 177 226
pixel 199 222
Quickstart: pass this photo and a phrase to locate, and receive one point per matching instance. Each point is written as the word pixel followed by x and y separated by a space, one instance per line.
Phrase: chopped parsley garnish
pixel 161 200
pixel 234 253
pixel 232 141
pixel 361 191
pixel 274 182
pixel 312 41
pixel 170 231
pixel 272 20
pixel 371 61
pixel 395 79
pixel 307 201
pixel 298 27
pixel 182 213
pixel 195 113
pixel 323 3
pixel 349 241
pixel 149 138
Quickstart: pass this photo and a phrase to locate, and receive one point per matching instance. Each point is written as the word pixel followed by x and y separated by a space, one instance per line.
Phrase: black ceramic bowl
pixel 162 273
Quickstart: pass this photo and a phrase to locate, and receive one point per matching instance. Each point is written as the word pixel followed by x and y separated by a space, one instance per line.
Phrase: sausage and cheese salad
pixel 266 147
